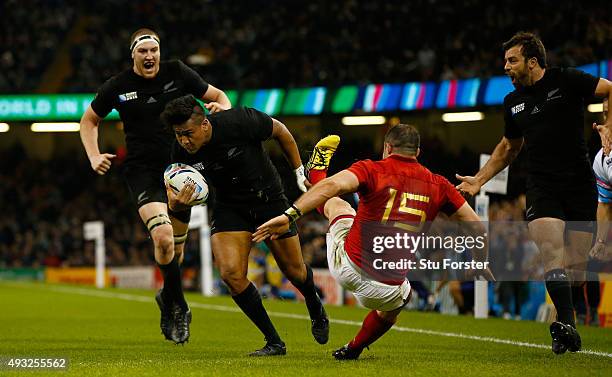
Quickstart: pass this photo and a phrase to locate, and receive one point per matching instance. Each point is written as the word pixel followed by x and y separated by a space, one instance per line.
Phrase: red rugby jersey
pixel 401 194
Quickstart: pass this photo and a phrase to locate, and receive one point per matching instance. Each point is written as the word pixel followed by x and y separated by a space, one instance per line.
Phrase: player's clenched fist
pixel 100 163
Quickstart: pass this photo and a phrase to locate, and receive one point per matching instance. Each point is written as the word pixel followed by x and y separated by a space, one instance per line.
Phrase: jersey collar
pixel 402 158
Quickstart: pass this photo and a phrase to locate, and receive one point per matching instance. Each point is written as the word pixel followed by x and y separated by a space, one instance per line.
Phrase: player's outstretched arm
pixel 472 223
pixel 338 184
pixel 285 140
pixel 216 100
pixel 100 162
pixel 505 152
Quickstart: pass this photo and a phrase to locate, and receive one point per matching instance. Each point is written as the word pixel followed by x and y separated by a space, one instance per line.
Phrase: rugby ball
pixel 177 175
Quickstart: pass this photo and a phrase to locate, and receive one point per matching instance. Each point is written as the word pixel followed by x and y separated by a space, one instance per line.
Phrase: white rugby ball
pixel 177 175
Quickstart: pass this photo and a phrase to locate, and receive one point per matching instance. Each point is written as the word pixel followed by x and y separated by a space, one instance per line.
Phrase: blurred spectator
pixel 30 33
pixel 247 44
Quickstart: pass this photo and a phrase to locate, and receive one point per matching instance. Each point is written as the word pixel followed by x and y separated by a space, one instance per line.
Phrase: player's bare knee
pixel 552 259
pixel 234 279
pixel 296 276
pixel 164 255
pixel 163 240
pixel 295 273
pixel 335 207
pixel 550 247
pixel 164 244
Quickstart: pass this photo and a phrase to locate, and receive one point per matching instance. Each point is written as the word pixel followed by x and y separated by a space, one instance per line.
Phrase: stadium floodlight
pixel 4 127
pixel 55 127
pixel 595 108
pixel 364 120
pixel 469 116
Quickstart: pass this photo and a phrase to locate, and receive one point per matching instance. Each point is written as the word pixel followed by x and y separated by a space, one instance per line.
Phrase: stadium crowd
pixel 246 44
pixel 27 51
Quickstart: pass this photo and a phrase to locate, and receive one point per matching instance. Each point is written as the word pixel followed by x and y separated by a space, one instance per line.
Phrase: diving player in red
pixel 396 191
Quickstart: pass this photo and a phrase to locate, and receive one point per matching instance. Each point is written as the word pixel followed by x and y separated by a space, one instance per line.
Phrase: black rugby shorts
pixel 576 204
pixel 146 184
pixel 246 218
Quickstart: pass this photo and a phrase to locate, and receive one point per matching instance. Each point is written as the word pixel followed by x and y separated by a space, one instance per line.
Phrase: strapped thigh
pixel 180 238
pixel 157 220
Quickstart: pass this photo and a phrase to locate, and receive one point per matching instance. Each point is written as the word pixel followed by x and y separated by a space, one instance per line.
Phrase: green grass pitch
pixel 115 332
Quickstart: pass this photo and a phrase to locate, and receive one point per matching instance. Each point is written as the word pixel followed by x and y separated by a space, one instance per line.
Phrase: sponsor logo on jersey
pixel 127 96
pixel 151 100
pixel 143 196
pixel 233 152
pixel 198 166
pixel 551 94
pixel 168 87
pixel 518 108
pixel 535 110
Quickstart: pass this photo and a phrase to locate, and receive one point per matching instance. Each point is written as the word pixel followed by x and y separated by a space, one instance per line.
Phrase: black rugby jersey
pixel 234 161
pixel 550 116
pixel 140 101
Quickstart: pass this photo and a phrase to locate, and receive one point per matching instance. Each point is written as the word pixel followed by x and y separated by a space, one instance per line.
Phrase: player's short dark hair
pixel 180 110
pixel 531 46
pixel 404 139
pixel 140 32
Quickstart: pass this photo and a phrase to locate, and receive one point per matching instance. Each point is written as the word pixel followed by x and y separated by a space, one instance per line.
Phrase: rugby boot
pixel 166 322
pixel 271 349
pixel 347 353
pixel 322 153
pixel 182 319
pixel 320 327
pixel 564 338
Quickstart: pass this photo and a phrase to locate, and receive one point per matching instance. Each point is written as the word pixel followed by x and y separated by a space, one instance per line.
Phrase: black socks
pixel 308 290
pixel 249 301
pixel 560 291
pixel 578 299
pixel 173 285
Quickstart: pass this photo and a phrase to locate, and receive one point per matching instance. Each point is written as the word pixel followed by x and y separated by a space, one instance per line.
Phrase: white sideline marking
pixel 222 308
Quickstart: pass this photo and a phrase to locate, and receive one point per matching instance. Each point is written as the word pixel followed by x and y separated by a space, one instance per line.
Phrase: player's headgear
pixel 142 39
pixel 141 36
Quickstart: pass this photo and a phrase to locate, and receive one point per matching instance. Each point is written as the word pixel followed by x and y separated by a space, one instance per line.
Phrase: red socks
pixel 373 328
pixel 315 176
